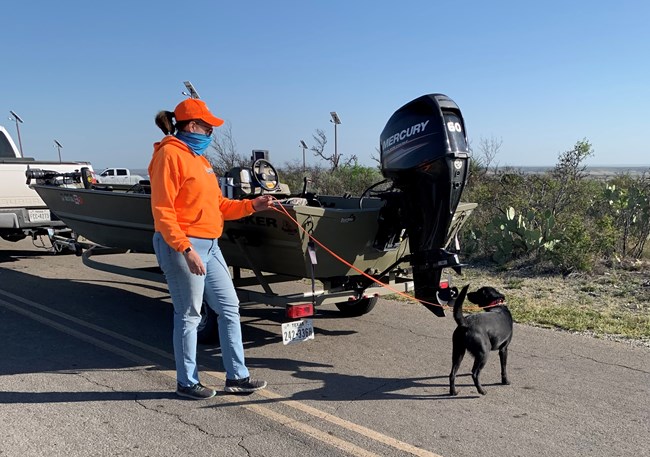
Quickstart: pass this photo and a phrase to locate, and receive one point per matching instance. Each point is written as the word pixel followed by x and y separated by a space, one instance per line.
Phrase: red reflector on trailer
pixel 444 284
pixel 298 311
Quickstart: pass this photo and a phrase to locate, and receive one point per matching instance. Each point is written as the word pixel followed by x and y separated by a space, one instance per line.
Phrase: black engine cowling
pixel 424 151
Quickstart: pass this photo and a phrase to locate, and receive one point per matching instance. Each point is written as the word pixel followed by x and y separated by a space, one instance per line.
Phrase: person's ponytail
pixel 165 122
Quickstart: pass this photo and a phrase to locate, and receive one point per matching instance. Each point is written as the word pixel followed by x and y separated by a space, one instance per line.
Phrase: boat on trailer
pixel 404 235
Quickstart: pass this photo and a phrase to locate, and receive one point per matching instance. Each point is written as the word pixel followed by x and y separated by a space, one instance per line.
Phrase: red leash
pixel 387 286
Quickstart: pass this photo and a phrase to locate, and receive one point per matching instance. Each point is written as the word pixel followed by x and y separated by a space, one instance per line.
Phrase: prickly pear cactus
pixel 513 235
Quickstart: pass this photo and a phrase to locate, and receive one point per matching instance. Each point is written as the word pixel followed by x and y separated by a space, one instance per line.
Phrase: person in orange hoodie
pixel 189 211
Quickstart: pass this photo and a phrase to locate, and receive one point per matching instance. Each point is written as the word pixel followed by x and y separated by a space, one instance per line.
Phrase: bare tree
pixel 321 140
pixel 352 161
pixel 489 148
pixel 225 155
pixel 335 159
pixel 377 157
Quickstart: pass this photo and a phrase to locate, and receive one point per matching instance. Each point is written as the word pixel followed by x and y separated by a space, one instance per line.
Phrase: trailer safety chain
pixel 339 258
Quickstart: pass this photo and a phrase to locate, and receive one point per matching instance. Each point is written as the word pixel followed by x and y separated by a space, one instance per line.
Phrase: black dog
pixel 481 333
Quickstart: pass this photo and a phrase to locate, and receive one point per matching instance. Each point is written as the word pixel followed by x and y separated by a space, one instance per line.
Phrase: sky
pixel 537 77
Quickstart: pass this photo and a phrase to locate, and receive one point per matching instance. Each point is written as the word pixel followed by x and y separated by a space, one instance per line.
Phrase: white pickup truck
pixel 22 212
pixel 118 176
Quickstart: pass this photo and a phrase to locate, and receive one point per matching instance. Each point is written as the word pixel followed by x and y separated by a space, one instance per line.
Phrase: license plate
pixel 38 215
pixel 297 331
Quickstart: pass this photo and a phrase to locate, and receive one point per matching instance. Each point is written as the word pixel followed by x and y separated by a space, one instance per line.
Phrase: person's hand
pixel 195 263
pixel 263 202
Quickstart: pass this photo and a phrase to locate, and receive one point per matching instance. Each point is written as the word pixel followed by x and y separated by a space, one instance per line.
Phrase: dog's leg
pixel 458 353
pixel 503 356
pixel 480 360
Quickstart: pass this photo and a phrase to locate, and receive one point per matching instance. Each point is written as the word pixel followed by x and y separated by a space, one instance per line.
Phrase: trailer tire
pixel 12 236
pixel 208 330
pixel 355 308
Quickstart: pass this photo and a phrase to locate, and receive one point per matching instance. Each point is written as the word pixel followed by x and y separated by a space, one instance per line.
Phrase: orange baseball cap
pixel 193 108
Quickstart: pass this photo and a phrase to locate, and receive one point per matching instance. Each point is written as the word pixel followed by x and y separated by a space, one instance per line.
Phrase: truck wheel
pixel 354 308
pixel 208 329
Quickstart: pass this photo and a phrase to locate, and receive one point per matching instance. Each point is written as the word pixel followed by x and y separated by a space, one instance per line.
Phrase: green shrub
pixel 345 179
pixel 562 216
pixel 574 250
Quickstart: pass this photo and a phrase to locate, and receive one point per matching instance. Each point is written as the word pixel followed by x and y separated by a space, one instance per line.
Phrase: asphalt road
pixel 86 369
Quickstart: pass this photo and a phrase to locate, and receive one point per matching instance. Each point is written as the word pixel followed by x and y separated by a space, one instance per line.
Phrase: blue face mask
pixel 197 142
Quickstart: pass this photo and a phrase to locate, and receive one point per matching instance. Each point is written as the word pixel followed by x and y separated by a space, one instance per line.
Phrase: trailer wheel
pixel 355 308
pixel 12 236
pixel 208 330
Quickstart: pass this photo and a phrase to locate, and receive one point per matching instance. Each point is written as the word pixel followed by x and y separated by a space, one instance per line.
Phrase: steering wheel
pixel 265 174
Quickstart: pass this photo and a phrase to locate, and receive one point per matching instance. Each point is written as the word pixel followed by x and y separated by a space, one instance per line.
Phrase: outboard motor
pixel 424 151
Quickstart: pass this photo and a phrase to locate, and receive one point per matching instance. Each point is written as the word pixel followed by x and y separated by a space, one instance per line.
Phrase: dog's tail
pixel 458 307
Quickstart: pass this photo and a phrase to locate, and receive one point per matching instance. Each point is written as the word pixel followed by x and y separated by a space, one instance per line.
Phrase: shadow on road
pixel 51 346
pixel 77 397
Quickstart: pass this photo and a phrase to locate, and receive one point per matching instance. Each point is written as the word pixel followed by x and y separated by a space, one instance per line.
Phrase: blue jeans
pixel 188 291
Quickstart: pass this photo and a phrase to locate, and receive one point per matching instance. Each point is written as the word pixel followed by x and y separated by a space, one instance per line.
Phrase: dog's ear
pixel 484 296
pixel 491 294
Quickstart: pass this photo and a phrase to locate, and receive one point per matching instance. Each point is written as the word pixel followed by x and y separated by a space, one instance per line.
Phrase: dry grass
pixel 610 303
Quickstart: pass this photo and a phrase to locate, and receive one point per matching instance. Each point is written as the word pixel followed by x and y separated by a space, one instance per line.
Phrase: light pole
pixel 58 147
pixel 192 91
pixel 303 145
pixel 18 120
pixel 336 121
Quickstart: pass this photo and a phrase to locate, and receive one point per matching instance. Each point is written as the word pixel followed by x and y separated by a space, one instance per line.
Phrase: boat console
pixel 260 178
pixel 424 152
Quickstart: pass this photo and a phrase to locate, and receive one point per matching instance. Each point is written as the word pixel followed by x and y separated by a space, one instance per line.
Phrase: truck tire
pixel 208 329
pixel 355 308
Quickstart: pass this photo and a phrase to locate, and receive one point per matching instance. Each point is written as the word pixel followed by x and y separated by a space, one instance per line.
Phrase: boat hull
pixel 113 219
pixel 269 241
pixel 276 243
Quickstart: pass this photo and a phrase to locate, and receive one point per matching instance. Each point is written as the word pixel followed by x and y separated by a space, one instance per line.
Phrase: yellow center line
pixel 89 325
pixel 284 420
pixel 82 336
pixel 345 424
pixel 360 429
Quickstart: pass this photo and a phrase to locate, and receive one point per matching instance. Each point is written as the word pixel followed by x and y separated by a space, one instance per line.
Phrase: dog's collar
pixel 497 302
